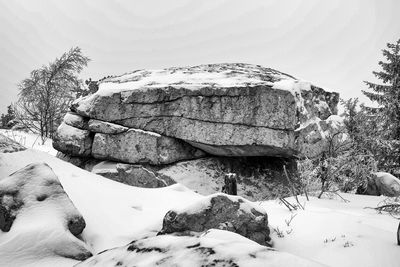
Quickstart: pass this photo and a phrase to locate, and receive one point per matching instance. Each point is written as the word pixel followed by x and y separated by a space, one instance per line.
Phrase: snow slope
pixel 337 233
pixel 115 213
pixel 328 231
pixel 30 140
pixel 213 248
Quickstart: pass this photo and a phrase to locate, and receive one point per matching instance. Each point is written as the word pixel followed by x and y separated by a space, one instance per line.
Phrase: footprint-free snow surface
pixel 328 231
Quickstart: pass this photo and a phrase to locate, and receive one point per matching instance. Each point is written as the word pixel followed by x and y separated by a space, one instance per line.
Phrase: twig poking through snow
pixel 291 187
pixel 288 222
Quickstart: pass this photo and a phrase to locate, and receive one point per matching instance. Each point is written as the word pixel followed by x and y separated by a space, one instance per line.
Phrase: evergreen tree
pixel 7 119
pixel 385 119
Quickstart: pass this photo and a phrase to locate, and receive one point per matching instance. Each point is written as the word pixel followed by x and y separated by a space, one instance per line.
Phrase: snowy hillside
pixel 30 140
pixel 328 231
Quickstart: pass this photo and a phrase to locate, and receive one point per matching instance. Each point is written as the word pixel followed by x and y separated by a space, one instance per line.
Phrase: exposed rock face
pixel 213 248
pixel 8 145
pixel 223 212
pixel 137 146
pixel 135 175
pixel 77 121
pixel 161 117
pixel 224 109
pixel 106 127
pixel 73 141
pixel 36 190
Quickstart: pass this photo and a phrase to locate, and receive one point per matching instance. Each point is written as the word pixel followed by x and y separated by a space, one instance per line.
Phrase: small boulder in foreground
pixel 35 209
pixel 220 211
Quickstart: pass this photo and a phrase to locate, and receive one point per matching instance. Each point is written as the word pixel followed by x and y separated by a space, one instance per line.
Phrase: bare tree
pixel 45 96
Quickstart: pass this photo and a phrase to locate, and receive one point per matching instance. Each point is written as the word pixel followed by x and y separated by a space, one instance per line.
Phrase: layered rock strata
pixel 162 117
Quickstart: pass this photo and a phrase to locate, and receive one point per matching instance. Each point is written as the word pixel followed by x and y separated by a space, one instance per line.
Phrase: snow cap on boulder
pixel 220 211
pixel 35 208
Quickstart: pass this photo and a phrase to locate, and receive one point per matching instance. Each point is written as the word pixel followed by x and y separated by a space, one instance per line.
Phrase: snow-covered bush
pixel 342 167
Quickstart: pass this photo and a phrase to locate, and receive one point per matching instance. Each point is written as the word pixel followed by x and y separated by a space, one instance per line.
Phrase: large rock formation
pixel 35 208
pixel 223 109
pixel 161 117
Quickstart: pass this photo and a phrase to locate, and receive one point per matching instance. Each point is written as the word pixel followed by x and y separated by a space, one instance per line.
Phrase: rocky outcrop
pixel 35 190
pixel 8 145
pixel 223 212
pixel 223 109
pixel 234 111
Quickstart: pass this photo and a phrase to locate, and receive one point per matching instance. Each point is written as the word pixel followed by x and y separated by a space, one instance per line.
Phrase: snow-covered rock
pixel 387 184
pixel 220 211
pixel 313 136
pixel 7 145
pixel 75 120
pixel 223 109
pixel 137 146
pixel 73 141
pixel 381 183
pixel 213 248
pixel 162 117
pixel 38 218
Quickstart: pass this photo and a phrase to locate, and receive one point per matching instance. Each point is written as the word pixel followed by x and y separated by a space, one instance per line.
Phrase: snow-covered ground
pixel 328 231
pixel 337 233
pixel 30 140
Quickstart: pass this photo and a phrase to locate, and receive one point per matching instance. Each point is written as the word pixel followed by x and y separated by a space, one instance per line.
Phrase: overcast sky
pixel 335 44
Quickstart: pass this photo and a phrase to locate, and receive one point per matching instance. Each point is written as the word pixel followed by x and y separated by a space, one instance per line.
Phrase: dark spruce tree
pixel 385 119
